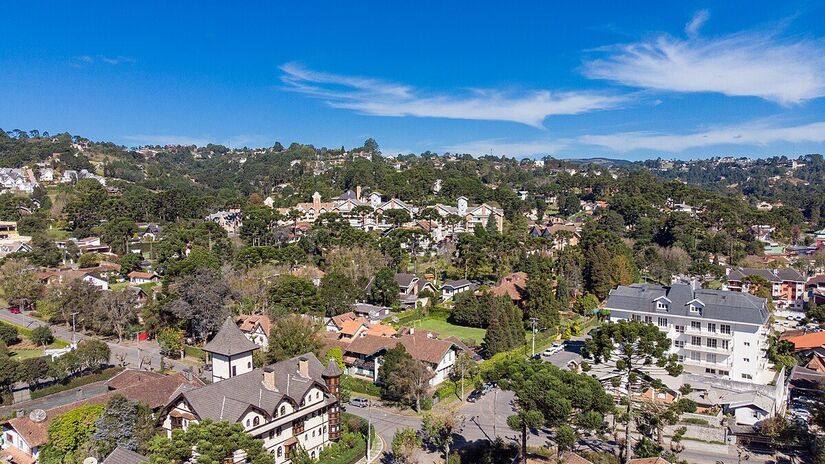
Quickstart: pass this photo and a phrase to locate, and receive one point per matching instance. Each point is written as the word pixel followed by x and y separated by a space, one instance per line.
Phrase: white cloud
pixel 81 60
pixel 382 98
pixel 751 134
pixel 786 71
pixel 500 147
pixel 699 19
pixel 167 140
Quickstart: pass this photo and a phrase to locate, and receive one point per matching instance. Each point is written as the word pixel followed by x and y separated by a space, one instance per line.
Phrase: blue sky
pixel 621 79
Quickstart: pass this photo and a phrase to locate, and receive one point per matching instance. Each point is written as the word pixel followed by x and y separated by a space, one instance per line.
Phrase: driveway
pixel 570 353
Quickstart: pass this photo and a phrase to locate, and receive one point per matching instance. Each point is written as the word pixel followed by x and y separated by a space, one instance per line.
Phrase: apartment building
pixel 787 284
pixel 716 333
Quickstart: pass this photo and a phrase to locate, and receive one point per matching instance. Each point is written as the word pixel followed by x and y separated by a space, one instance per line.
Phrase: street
pixel 130 352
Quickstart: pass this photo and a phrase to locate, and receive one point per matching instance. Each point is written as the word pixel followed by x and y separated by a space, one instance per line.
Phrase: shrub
pixel 8 334
pixel 170 341
pixel 695 421
pixel 364 387
pixel 41 335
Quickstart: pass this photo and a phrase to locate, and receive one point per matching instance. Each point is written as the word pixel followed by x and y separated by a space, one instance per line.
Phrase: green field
pixel 24 353
pixel 445 329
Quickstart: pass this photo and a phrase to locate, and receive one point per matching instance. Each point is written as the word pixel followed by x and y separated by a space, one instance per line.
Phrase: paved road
pixel 131 352
pixel 487 418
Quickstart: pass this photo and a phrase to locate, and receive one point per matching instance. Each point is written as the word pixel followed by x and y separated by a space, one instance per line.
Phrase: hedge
pixel 364 387
pixel 76 382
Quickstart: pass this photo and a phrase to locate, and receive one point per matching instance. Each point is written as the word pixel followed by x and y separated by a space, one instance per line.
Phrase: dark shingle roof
pixel 230 398
pixel 718 304
pixel 332 369
pixel 230 341
pixel 124 456
pixel 771 275
pixel 404 280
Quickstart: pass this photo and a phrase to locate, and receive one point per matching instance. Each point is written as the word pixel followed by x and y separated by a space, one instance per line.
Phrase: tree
pixel 77 296
pixel 170 341
pixel 404 377
pixel 385 290
pixel 541 302
pixel 208 442
pixel 338 293
pixel 68 432
pixel 123 423
pixel 586 304
pixel 521 422
pixel 88 260
pixel 199 301
pixel 506 329
pixel 8 335
pixel 18 283
pixel 465 367
pixel 404 444
pixel 92 353
pixel 397 217
pixel 117 232
pixel 292 295
pixel 371 145
pixel 565 439
pixel 632 345
pixel 291 336
pixel 130 262
pixel 117 310
pixel 42 335
pixel 438 429
pixel 337 354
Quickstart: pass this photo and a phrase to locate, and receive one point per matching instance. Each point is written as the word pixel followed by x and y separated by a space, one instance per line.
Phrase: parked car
pixel 359 402
pixel 554 348
pixel 474 396
pixel 14 309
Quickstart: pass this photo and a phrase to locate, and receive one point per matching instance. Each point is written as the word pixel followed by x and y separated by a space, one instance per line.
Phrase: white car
pixel 554 348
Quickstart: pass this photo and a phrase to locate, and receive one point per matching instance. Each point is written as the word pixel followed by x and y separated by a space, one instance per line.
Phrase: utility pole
pixel 369 428
pixel 534 321
pixel 74 330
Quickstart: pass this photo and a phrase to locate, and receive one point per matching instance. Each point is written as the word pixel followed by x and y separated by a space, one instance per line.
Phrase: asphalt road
pixel 131 352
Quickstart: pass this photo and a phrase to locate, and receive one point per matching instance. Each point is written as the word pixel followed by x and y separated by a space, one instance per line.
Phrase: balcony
pixel 708 349
pixel 705 333
pixel 693 362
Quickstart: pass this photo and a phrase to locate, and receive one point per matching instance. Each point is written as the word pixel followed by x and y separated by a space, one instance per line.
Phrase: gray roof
pixel 771 275
pixel 457 283
pixel 229 399
pixel 124 456
pixel 332 369
pixel 717 304
pixel 230 341
pixel 404 280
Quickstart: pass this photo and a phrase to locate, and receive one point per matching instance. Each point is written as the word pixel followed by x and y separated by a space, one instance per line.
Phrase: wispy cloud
pixel 699 19
pixel 758 133
pixel 80 61
pixel 167 139
pixel 382 98
pixel 751 63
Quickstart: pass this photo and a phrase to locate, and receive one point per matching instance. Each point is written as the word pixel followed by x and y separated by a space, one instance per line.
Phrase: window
pixel 283 410
pixel 694 308
pixel 724 372
pixel 661 305
pixel 695 325
pixel 662 322
pixel 747 376
pixel 325 429
pixel 636 317
pixel 747 343
pixel 711 358
pixel 679 343
pixel 681 358
pixel 725 329
pixel 725 345
pixel 234 371
pixel 711 327
pixel 710 371
pixel 747 360
pixel 696 341
pixel 271 434
pixel 280 451
pixel 278 431
pixel 695 356
pixel 249 364
pixel 711 342
pixel 680 328
pixel 648 319
pixel 256 421
pixel 247 423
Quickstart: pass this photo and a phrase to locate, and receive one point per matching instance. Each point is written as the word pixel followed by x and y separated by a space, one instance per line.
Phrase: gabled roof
pixel 229 340
pixel 808 340
pixel 124 456
pixel 771 275
pixel 457 283
pixel 229 399
pixel 404 280
pixel 569 457
pixel 720 305
pixel 248 322
pixel 352 326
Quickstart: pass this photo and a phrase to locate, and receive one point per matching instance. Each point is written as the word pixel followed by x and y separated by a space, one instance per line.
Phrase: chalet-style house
pixel 363 356
pixel 60 276
pixel 230 352
pixel 787 284
pixel 256 328
pixel 290 405
pixel 139 277
pixel 452 288
pixel 513 286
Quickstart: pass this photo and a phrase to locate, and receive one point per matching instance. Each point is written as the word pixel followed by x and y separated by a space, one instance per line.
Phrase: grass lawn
pixel 445 329
pixel 25 349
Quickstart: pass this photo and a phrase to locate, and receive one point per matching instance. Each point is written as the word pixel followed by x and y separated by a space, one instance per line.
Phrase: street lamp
pixel 369 429
pixel 74 331
pixel 534 321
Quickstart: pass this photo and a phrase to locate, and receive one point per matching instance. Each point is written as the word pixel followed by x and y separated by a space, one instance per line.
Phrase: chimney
pixel 269 379
pixel 303 367
pixel 357 192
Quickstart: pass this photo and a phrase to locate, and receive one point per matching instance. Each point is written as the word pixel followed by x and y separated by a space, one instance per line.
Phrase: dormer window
pixel 661 306
pixel 694 308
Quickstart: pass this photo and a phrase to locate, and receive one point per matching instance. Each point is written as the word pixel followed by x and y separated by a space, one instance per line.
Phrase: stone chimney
pixel 357 192
pixel 269 379
pixel 303 367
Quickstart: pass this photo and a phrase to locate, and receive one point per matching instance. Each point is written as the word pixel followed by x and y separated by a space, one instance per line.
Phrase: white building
pixel 715 333
pixel 289 405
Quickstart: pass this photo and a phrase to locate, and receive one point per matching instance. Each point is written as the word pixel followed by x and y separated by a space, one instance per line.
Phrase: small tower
pixel 316 202
pixel 231 352
pixel 332 379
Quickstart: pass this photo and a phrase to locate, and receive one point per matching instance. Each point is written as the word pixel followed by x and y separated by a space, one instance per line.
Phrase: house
pixel 230 352
pixel 309 212
pixel 751 407
pixel 139 277
pixel 811 342
pixel 336 323
pixel 50 277
pixel 364 355
pixel 787 284
pixel 452 288
pixel 513 286
pixel 125 456
pixel 373 314
pixel 716 333
pixel 230 220
pixel 24 436
pixel 816 284
pixel 141 297
pixel 471 216
pixel 289 405
pixel 47 175
pixel 7 247
pixel 256 328
pixel 407 283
